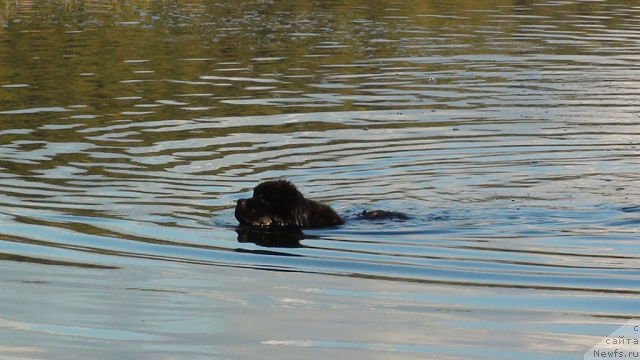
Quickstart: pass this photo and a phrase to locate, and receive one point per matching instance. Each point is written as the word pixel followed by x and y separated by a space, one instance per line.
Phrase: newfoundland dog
pixel 279 204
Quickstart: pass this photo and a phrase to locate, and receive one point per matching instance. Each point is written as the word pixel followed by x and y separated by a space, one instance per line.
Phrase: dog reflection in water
pixel 282 238
pixel 277 211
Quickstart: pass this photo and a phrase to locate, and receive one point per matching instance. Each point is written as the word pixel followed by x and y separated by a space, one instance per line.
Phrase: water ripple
pixel 509 135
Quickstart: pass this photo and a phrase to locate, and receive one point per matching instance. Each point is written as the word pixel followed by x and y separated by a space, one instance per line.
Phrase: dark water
pixel 507 130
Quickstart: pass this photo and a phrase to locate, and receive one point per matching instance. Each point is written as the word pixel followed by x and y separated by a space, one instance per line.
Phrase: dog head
pixel 274 204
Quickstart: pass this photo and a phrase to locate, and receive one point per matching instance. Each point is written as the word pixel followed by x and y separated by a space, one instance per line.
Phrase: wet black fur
pixel 383 215
pixel 279 204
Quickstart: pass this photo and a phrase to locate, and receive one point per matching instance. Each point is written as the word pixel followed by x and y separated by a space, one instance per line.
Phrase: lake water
pixel 508 130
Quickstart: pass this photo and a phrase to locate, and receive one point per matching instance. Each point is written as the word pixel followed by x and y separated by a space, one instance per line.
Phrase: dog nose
pixel 242 203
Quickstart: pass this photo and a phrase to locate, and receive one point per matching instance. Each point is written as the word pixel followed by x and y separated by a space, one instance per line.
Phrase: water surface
pixel 508 132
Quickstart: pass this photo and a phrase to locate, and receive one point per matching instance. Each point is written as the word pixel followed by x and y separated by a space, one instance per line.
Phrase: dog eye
pixel 261 199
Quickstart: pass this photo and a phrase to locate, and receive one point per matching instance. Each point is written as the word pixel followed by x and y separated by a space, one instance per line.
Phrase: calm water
pixel 508 130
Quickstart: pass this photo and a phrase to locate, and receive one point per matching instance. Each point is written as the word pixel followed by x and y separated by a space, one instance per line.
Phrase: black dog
pixel 279 204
